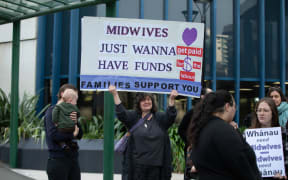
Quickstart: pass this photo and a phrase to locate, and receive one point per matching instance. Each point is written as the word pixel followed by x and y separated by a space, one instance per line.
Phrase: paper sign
pixel 268 147
pixel 141 55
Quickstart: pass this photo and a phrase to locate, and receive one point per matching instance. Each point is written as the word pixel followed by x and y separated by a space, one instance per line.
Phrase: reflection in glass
pixel 249 39
pixel 224 38
pixel 272 53
pixel 129 9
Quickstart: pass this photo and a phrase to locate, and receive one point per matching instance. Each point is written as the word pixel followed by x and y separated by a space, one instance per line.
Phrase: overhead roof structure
pixel 14 10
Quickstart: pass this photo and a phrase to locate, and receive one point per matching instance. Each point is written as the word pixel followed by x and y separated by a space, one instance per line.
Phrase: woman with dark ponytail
pixel 219 151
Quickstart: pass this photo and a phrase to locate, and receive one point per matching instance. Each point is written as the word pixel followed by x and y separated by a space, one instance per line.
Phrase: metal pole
pixel 14 94
pixel 165 9
pixel 189 19
pixel 57 53
pixel 73 46
pixel 117 8
pixel 236 22
pixel 141 9
pixel 261 52
pixel 165 17
pixel 213 42
pixel 203 20
pixel 189 10
pixel 282 46
pixel 108 161
pixel 40 60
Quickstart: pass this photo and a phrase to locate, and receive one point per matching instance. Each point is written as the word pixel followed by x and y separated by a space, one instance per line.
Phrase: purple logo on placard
pixel 187 64
pixel 189 36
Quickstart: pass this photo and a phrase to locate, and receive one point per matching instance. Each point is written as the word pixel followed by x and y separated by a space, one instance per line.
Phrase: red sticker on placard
pixel 189 76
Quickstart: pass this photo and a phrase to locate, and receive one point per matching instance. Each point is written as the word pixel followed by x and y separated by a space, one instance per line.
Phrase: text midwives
pixel 137 31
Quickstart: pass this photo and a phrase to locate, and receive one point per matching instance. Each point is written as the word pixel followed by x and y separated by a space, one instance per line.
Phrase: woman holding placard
pixel 266 114
pixel 148 153
pixel 266 117
pixel 219 151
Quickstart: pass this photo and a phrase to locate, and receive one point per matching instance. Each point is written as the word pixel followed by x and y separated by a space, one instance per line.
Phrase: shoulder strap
pixel 139 122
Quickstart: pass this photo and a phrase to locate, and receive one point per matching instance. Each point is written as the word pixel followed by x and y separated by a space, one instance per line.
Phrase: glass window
pixel 101 10
pixel 65 43
pixel 272 53
pixel 153 9
pixel 88 11
pixel 129 8
pixel 249 93
pixel 49 45
pixel 204 10
pixel 91 103
pixel 177 10
pixel 224 38
pixel 47 91
pixel 249 39
pixel 226 85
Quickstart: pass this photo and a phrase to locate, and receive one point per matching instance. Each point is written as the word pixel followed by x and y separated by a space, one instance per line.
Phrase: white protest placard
pixel 141 55
pixel 268 147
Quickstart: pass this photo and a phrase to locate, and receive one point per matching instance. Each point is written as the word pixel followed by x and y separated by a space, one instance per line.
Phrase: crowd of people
pixel 213 142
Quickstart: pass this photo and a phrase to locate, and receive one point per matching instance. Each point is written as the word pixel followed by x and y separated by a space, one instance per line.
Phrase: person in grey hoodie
pixel 282 106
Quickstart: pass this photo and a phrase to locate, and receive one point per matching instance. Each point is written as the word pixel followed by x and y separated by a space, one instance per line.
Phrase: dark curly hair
pixel 277 89
pixel 212 103
pixel 142 96
pixel 272 105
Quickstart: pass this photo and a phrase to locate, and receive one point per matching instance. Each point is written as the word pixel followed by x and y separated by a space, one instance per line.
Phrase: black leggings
pixel 63 169
pixel 145 172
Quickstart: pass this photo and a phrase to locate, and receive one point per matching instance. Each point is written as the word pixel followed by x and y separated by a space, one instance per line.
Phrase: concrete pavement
pixel 41 175
pixel 7 173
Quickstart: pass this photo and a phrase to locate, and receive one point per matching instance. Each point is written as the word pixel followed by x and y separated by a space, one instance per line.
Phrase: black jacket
pixel 222 154
pixel 165 120
pixel 53 137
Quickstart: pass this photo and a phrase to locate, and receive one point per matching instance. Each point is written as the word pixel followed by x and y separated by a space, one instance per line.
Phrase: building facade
pixel 245 48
